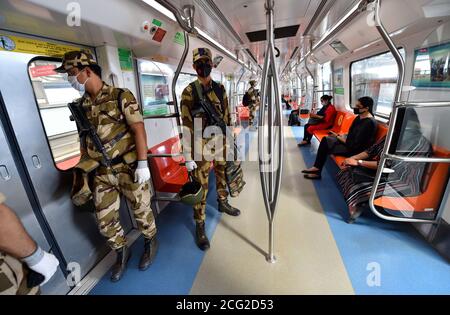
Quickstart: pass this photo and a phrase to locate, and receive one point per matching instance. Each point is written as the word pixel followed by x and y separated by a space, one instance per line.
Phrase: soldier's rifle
pixel 85 128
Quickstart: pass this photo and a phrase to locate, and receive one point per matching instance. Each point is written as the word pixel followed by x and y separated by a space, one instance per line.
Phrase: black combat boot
pixel 200 236
pixel 150 249
pixel 224 206
pixel 123 255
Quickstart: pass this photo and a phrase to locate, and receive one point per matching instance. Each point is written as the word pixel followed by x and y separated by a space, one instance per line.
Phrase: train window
pixel 154 79
pixel 241 89
pixel 53 93
pixel 375 77
pixel 183 81
pixel 228 85
pixel 309 92
pixel 324 79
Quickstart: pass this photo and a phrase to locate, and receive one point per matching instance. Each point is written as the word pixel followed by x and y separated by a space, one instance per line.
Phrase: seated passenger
pixel 360 137
pixel 294 119
pixel 324 119
pixel 400 179
pixel 289 105
pixel 285 101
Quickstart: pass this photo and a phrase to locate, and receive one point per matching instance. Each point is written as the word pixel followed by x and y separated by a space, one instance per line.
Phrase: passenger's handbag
pixel 314 121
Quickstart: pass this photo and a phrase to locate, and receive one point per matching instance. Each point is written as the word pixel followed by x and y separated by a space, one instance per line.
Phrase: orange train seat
pixel 436 181
pixel 341 125
pixel 168 175
pixel 243 112
pixel 304 116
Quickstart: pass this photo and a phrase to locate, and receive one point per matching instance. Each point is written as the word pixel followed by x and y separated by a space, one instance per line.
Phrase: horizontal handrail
pixel 422 104
pixel 161 155
pixel 416 159
pixel 174 115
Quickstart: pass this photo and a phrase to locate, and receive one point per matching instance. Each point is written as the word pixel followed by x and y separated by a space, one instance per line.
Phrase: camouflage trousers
pixel 13 277
pixel 201 174
pixel 107 190
pixel 251 115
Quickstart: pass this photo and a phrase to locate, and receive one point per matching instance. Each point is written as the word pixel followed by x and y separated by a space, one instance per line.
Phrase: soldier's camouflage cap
pixel 73 59
pixel 201 53
pixel 252 82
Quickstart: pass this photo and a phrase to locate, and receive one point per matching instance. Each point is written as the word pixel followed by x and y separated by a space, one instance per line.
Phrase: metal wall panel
pixel 16 198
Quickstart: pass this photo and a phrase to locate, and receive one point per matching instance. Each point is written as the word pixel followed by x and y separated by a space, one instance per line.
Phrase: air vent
pixel 280 32
pixel 339 47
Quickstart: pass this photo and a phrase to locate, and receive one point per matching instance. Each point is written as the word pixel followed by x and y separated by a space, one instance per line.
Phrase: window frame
pixel 376 114
pixel 53 59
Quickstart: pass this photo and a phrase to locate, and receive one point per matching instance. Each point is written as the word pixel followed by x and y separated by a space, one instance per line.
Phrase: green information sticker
pixel 339 91
pixel 157 23
pixel 126 60
pixel 179 38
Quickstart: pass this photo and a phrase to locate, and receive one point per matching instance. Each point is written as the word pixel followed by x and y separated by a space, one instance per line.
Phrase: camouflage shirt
pixel 253 96
pixel 187 104
pixel 111 121
pixel 13 274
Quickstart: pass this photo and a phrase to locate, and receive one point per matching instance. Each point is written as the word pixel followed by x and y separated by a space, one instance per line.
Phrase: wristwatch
pixel 360 162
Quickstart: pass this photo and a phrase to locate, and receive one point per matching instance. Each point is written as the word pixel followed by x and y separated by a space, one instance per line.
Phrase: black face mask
pixel 204 70
pixel 357 110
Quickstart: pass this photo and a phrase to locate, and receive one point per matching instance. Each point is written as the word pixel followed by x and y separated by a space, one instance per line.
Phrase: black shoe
pixel 224 206
pixel 150 249
pixel 301 144
pixel 123 255
pixel 200 237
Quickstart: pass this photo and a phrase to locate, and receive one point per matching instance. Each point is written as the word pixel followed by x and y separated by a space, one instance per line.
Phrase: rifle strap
pixel 205 101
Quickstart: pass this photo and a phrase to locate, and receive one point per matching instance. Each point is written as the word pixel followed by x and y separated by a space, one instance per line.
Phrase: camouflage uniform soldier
pixel 115 115
pixel 200 167
pixel 253 94
pixel 24 266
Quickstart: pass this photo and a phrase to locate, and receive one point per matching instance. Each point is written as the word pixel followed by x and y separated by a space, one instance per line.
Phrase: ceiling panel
pixel 250 16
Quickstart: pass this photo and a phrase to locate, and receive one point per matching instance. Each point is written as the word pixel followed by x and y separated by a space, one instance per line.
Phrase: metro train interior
pixel 294 235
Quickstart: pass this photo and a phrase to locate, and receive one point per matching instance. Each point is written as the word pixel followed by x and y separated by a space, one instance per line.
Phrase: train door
pixel 11 186
pixel 35 100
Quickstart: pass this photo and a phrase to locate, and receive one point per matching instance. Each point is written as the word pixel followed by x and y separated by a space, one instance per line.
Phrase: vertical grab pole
pixel 177 75
pixel 270 173
pixel 314 83
pixel 398 95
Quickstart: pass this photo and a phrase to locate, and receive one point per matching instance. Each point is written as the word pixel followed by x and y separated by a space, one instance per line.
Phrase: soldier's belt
pixel 125 159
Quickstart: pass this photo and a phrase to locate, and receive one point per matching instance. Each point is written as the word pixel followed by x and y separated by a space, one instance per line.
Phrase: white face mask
pixel 75 84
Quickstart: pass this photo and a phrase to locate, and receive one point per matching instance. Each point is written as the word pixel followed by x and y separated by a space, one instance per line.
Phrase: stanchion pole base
pixel 271 259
